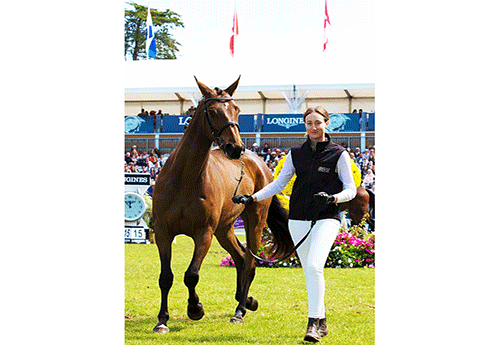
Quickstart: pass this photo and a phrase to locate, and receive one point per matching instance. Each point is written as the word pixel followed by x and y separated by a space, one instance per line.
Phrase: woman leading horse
pixel 324 181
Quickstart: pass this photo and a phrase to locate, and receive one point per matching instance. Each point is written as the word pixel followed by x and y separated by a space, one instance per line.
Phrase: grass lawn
pixel 280 319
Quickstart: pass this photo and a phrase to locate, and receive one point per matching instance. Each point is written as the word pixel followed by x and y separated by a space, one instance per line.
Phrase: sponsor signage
pixel 138 124
pixel 283 123
pixel 137 179
pixel 293 123
pixel 175 124
pixel 270 123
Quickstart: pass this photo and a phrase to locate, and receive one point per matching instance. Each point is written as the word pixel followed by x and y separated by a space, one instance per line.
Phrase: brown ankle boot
pixel 323 330
pixel 312 333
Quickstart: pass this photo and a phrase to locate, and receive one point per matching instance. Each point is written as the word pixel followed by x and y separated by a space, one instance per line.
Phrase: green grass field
pixel 280 319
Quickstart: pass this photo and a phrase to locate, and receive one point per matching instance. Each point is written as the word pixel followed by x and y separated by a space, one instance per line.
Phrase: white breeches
pixel 313 254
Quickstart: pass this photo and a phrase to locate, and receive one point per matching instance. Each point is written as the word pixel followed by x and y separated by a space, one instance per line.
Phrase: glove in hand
pixel 323 198
pixel 242 199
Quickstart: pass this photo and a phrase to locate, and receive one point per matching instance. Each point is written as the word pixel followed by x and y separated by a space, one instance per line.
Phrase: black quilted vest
pixel 315 173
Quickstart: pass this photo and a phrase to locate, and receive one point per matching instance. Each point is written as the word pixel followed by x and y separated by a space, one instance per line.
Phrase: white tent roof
pixel 256 92
pixel 267 79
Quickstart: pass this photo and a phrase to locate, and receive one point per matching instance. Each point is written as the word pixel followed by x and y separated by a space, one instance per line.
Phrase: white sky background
pixel 277 27
pixel 279 42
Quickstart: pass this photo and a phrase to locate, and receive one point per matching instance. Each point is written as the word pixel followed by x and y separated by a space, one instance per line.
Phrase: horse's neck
pixel 192 153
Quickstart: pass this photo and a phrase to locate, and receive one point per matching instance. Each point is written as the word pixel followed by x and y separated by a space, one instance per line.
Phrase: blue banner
pixel 138 124
pixel 339 122
pixel 175 124
pixel 247 123
pixel 370 117
pixel 283 123
pixel 343 122
pixel 267 123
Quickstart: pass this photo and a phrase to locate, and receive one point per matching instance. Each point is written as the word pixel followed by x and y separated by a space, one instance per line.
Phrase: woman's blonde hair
pixel 319 110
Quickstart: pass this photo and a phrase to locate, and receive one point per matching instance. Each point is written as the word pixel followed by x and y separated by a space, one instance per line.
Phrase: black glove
pixel 322 198
pixel 242 199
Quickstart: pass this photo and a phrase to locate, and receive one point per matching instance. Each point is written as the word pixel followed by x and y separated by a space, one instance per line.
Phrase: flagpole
pixel 147 34
pixel 235 32
pixel 325 21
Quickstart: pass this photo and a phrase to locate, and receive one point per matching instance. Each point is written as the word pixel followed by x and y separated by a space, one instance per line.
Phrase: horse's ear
pixel 205 90
pixel 230 90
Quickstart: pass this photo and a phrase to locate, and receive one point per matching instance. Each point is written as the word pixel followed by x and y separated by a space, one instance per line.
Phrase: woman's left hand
pixel 324 198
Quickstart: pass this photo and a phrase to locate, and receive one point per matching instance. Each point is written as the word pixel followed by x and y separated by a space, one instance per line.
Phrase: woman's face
pixel 315 126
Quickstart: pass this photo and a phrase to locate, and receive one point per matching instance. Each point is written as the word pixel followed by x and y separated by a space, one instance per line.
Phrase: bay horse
pixel 192 196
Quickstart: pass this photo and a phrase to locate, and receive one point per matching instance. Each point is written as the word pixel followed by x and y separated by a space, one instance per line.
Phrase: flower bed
pixel 348 250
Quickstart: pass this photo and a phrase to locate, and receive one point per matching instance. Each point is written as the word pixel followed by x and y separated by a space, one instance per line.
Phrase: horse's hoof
pixel 196 313
pixel 252 304
pixel 238 316
pixel 236 319
pixel 160 328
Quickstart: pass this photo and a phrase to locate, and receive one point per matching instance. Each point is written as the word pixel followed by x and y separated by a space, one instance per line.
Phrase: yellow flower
pixel 356 174
pixel 288 189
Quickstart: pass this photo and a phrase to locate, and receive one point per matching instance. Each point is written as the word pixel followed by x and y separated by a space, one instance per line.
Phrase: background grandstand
pixel 156 117
pixel 270 121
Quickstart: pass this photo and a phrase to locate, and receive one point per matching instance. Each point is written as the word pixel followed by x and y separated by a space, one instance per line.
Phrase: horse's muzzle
pixel 232 151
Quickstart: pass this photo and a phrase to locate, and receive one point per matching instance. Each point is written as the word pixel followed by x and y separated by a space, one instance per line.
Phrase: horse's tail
pixel 277 221
pixel 371 202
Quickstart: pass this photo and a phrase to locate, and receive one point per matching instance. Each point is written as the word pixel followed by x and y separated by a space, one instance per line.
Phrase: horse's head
pixel 221 115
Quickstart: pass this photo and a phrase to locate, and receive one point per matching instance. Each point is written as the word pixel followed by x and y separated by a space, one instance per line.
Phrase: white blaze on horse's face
pixel 232 145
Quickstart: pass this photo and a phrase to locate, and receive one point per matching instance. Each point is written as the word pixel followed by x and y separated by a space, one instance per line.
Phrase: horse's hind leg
pixel 229 242
pixel 166 279
pixel 202 243
pixel 257 214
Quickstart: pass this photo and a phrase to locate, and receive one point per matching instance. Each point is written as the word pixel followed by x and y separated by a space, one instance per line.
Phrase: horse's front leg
pixel 166 279
pixel 202 243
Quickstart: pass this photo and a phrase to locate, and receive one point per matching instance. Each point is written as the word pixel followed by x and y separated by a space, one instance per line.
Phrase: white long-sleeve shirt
pixel 343 169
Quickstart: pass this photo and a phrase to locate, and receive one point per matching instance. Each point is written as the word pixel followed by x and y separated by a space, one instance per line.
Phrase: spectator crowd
pixel 152 161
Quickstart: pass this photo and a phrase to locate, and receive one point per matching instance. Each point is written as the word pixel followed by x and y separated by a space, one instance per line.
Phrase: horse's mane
pixel 219 91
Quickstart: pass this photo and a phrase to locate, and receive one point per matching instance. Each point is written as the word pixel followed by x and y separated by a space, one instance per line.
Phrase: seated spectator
pixel 134 152
pixel 162 160
pixel 372 155
pixel 369 179
pixel 264 151
pixel 255 148
pixel 133 168
pixel 128 158
pixel 143 160
pixel 267 156
pixel 357 152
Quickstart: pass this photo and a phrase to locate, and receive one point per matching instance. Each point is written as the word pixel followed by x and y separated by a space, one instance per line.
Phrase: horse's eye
pixel 211 112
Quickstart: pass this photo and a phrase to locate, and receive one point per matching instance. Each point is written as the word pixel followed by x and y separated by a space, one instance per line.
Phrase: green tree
pixel 135 32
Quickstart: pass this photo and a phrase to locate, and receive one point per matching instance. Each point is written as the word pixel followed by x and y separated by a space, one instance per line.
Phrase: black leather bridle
pixel 216 133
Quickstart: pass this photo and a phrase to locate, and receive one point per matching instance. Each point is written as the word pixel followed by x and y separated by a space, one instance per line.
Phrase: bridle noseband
pixel 217 133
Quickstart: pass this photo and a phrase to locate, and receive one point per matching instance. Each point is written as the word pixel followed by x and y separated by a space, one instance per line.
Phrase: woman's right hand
pixel 242 199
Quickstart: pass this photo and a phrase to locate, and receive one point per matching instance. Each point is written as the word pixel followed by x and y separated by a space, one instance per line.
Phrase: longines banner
pixel 174 124
pixel 340 122
pixel 269 123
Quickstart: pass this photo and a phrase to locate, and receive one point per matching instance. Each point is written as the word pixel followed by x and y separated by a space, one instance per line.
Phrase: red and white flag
pixel 235 32
pixel 326 26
